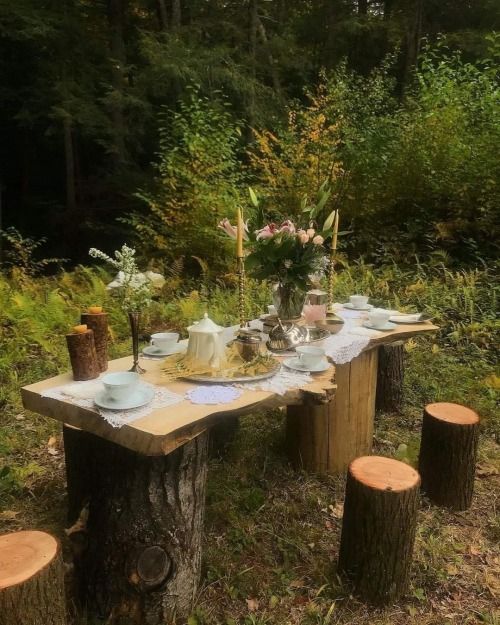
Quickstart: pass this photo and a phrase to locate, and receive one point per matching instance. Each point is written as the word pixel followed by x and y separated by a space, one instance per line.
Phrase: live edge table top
pixel 165 429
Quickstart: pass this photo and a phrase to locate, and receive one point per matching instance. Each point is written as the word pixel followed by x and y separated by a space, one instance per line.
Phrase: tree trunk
pixel 98 323
pixel 116 19
pixel 176 15
pixel 82 355
pixel 70 164
pixel 378 528
pixel 448 453
pixel 161 9
pixel 252 48
pixel 390 377
pixel 413 37
pixel 362 7
pixel 141 564
pixel 325 438
pixel 272 64
pixel 31 580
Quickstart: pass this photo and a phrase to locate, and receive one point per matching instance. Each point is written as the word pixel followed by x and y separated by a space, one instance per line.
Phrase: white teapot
pixel 206 344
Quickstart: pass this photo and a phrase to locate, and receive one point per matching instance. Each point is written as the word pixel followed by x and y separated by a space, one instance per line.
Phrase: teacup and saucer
pixel 163 344
pixel 309 359
pixel 123 391
pixel 378 319
pixel 358 302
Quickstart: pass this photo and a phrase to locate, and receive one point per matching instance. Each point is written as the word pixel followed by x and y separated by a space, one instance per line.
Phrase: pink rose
pixel 287 226
pixel 303 236
pixel 266 233
pixel 318 240
pixel 311 232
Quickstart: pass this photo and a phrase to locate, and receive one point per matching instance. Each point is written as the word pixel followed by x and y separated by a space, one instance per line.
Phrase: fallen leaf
pixel 8 515
pixel 252 605
pixel 486 470
pixel 297 583
pixel 51 446
pixel 337 511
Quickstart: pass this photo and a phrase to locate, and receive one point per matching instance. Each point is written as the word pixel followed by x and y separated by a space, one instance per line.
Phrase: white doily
pixel 216 394
pixel 83 393
pixel 280 383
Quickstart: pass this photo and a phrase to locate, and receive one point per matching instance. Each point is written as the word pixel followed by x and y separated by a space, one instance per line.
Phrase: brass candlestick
pixel 241 292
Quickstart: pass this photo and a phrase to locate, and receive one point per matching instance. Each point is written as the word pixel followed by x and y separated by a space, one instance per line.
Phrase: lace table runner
pixel 83 393
pixel 280 383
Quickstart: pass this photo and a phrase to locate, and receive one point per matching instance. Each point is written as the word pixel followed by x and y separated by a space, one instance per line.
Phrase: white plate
pixel 385 328
pixel 295 364
pixel 349 306
pixel 142 396
pixel 151 350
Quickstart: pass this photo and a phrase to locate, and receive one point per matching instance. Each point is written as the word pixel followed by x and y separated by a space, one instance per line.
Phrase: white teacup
pixel 378 317
pixel 358 301
pixel 119 386
pixel 310 356
pixel 164 341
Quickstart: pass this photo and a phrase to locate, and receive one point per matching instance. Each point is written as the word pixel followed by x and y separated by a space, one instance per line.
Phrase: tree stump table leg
pixel 325 438
pixel 378 527
pixel 31 580
pixel 390 377
pixel 141 564
pixel 448 450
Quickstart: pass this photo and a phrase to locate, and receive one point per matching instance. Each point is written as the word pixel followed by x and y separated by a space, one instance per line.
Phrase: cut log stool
pixel 378 528
pixel 31 580
pixel 390 377
pixel 448 452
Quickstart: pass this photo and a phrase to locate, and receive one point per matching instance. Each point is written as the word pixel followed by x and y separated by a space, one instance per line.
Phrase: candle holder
pixel 331 281
pixel 241 292
pixel 134 319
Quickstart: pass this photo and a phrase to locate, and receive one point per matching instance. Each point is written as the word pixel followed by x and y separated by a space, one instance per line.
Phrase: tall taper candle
pixel 335 230
pixel 239 235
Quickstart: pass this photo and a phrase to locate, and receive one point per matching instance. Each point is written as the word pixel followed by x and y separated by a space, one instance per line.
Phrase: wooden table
pixel 136 494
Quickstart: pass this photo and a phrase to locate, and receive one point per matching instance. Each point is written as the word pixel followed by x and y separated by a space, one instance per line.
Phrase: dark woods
pixel 83 83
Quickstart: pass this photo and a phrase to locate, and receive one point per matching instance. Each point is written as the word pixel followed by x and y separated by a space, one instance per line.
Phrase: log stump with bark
pixel 378 528
pixel 98 323
pixel 143 521
pixel 390 377
pixel 31 580
pixel 82 354
pixel 448 451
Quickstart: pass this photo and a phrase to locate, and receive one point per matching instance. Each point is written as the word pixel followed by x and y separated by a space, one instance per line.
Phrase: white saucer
pixel 388 326
pixel 349 306
pixel 151 350
pixel 294 363
pixel 142 396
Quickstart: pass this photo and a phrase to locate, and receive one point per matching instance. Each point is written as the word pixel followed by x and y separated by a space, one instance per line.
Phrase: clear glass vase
pixel 289 300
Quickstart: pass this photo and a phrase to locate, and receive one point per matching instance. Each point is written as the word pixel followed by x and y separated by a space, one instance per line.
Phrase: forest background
pixel 145 121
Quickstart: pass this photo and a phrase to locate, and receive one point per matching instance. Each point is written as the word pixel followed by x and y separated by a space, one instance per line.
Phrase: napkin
pixel 360 331
pixel 406 318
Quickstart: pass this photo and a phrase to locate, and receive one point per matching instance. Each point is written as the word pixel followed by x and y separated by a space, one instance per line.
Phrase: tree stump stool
pixel 378 528
pixel 390 377
pixel 448 450
pixel 31 580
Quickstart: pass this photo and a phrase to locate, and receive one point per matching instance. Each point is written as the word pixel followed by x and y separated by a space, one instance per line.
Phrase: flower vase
pixel 134 318
pixel 289 300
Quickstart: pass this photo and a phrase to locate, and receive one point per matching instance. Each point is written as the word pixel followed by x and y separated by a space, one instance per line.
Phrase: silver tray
pixel 312 334
pixel 212 379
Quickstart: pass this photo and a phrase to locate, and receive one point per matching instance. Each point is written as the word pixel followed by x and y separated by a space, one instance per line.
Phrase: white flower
pixel 288 263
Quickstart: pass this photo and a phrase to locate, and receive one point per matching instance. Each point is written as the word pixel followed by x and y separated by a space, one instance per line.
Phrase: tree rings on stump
pixel 378 528
pixel 448 453
pixel 31 580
